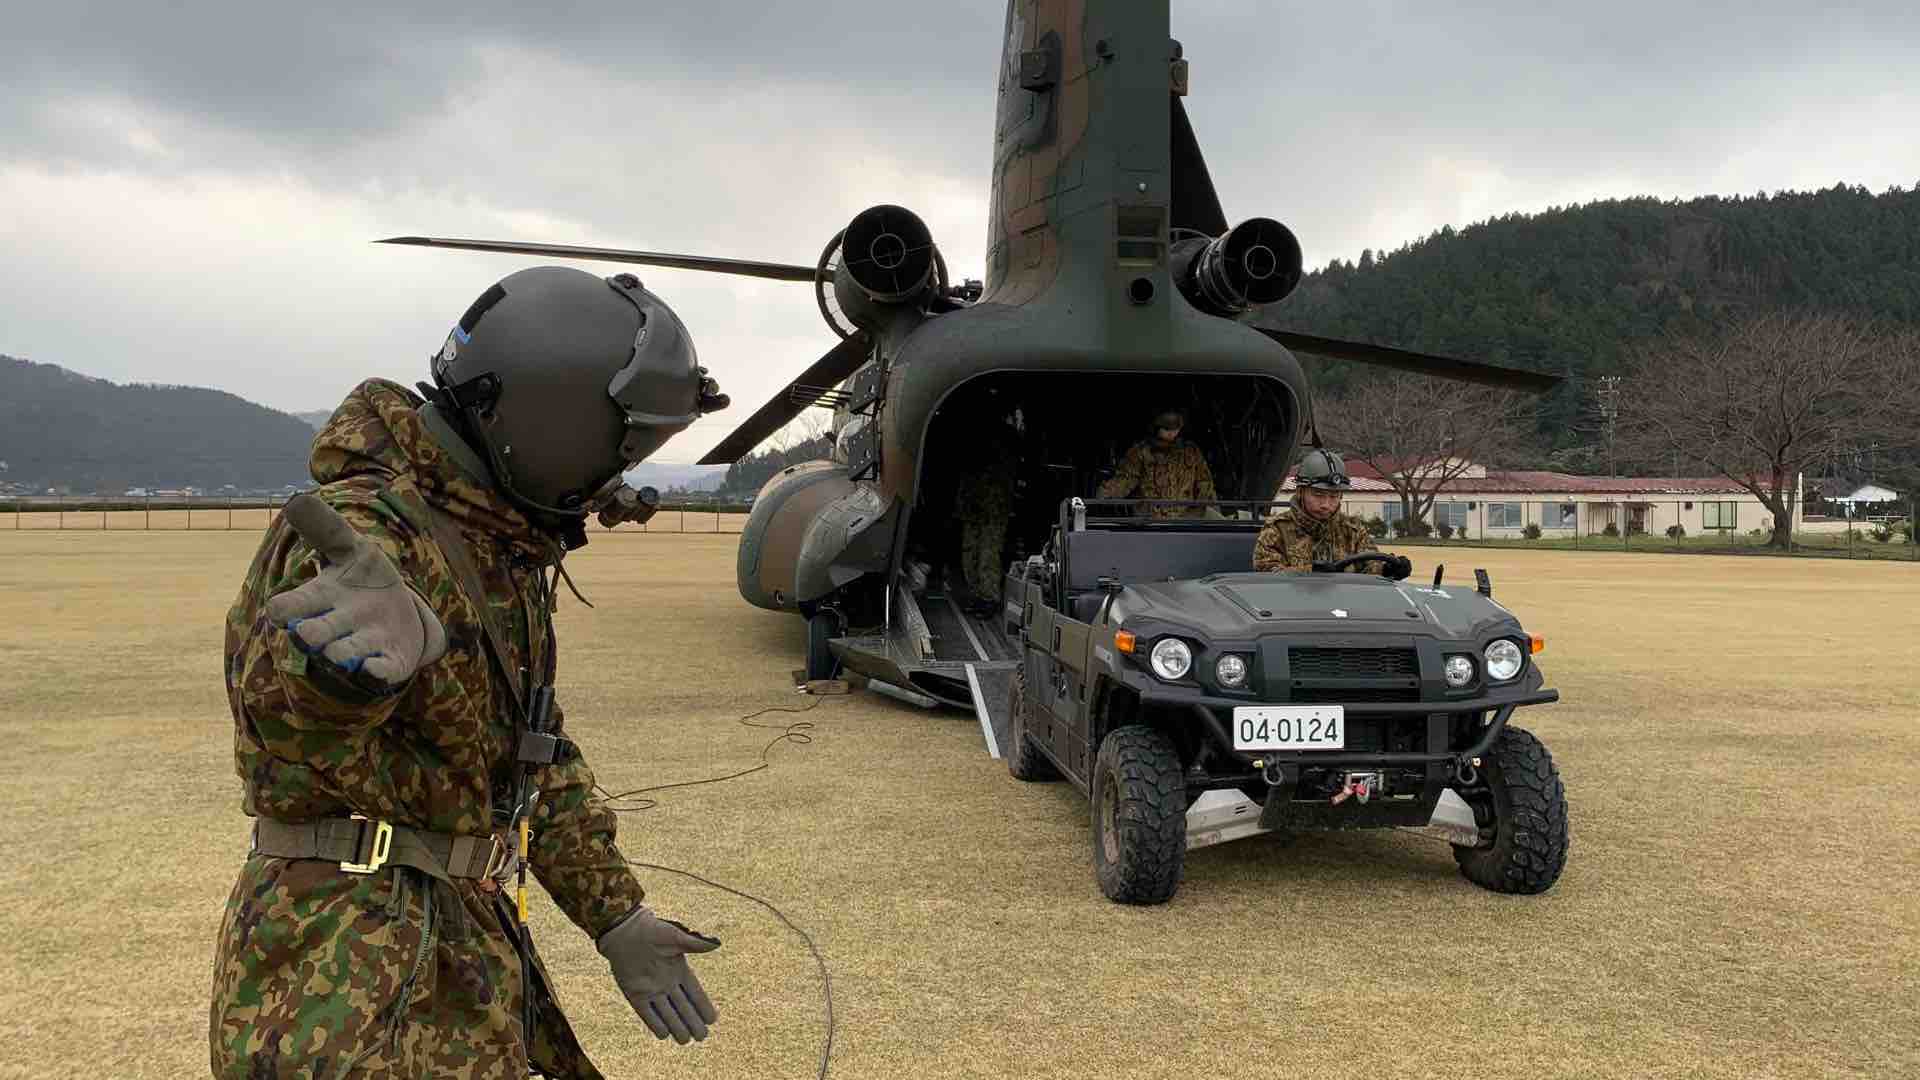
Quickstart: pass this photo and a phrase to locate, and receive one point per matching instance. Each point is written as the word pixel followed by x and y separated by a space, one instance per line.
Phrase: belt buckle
pixel 502 861
pixel 382 847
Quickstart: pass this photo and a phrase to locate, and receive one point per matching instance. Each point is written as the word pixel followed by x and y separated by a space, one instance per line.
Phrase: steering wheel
pixel 1394 563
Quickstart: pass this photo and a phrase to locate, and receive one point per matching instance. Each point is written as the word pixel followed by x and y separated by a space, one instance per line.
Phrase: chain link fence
pixel 220 513
pixel 1704 525
pixel 1662 525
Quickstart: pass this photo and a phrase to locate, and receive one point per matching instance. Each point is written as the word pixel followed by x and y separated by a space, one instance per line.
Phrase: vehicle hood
pixel 1249 605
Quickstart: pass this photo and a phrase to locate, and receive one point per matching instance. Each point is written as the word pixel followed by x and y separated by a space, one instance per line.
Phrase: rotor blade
pixel 1195 205
pixel 806 388
pixel 1439 367
pixel 744 267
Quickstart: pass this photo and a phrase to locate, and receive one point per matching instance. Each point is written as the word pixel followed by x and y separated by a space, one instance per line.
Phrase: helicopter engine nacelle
pixel 1256 262
pixel 886 260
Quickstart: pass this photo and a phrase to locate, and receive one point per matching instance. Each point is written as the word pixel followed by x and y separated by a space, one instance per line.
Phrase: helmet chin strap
pixel 460 406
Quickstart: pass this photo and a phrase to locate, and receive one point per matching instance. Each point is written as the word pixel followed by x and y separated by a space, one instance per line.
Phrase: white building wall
pixel 1507 516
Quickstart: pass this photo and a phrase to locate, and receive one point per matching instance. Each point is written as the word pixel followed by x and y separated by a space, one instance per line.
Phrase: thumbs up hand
pixel 358 612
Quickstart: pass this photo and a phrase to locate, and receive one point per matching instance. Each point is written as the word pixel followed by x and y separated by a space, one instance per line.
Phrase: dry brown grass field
pixel 1740 740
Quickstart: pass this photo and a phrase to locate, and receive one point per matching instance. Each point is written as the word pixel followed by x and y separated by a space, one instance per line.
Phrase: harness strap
pixel 423 514
pixel 455 550
pixel 361 845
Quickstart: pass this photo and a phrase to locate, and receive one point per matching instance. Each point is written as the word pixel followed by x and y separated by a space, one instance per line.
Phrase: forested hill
pixel 1570 289
pixel 64 430
pixel 745 477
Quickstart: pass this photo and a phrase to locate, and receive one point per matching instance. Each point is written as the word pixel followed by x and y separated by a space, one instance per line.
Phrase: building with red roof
pixel 1481 502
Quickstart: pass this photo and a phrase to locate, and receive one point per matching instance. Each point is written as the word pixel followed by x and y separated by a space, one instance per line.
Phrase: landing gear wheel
pixel 1139 817
pixel 1024 759
pixel 822 626
pixel 1528 805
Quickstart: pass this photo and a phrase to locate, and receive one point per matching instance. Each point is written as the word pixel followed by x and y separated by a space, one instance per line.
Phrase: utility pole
pixel 1608 396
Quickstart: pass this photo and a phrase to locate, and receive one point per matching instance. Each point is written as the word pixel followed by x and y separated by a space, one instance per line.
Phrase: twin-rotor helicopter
pixel 1114 288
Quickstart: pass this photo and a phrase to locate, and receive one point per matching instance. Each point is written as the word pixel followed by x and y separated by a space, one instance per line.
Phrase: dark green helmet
pixel 1322 469
pixel 563 380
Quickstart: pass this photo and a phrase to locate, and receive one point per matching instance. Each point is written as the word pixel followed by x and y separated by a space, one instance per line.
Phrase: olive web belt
pixel 363 846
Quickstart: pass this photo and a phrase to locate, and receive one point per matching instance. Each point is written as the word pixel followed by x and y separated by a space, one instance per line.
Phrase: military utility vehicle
pixel 1195 700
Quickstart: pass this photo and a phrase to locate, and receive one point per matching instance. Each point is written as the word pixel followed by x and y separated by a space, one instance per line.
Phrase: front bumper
pixel 1214 717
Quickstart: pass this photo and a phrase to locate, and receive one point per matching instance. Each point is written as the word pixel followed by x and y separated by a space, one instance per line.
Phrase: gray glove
pixel 649 959
pixel 358 612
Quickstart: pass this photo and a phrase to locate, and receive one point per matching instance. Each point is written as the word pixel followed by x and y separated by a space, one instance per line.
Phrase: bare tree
pixel 1420 434
pixel 802 429
pixel 1771 396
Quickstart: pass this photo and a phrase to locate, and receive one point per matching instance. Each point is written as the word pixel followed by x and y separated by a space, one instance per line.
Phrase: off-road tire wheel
pixel 821 627
pixel 1024 759
pixel 1529 845
pixel 1139 817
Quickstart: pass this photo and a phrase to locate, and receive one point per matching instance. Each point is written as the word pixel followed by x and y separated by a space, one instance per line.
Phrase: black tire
pixel 1528 804
pixel 1139 817
pixel 1024 759
pixel 821 627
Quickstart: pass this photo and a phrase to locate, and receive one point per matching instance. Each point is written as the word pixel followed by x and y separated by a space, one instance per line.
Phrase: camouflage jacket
pixel 1292 540
pixel 1149 471
pixel 317 970
pixel 985 485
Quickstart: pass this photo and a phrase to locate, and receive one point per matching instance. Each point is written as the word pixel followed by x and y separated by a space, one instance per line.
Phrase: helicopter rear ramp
pixel 935 653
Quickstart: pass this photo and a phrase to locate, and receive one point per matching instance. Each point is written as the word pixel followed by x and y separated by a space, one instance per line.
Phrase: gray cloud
pixel 186 191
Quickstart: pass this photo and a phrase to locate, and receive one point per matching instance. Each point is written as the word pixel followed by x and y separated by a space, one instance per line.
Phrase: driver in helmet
pixel 389 665
pixel 1312 533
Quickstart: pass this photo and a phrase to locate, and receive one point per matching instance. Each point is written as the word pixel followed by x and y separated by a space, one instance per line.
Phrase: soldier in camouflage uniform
pixel 1312 531
pixel 985 499
pixel 1164 467
pixel 391 642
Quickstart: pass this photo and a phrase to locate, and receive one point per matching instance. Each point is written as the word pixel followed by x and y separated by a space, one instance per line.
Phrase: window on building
pixel 1391 512
pixel 1718 515
pixel 1454 514
pixel 1506 515
pixel 1569 515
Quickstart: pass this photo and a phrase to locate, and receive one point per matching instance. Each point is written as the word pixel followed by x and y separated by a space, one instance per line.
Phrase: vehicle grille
pixel 1352 695
pixel 1353 664
pixel 1352 676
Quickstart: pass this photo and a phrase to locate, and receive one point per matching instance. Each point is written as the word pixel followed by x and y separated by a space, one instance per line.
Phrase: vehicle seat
pixel 1148 555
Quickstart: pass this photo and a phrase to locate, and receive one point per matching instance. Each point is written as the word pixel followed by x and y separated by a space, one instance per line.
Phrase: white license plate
pixel 1290 727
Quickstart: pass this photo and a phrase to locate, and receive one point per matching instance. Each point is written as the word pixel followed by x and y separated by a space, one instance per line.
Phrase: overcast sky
pixel 187 195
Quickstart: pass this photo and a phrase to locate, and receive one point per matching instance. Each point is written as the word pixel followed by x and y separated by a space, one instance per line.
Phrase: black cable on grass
pixel 799 733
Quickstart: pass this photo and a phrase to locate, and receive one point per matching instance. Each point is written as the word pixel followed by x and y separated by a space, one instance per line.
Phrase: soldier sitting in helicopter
pixel 1164 467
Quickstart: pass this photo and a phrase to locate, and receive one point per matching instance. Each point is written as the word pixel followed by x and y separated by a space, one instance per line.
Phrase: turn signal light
pixel 1536 642
pixel 1123 640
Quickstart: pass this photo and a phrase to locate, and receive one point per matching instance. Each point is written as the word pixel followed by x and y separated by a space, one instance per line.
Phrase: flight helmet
pixel 563 380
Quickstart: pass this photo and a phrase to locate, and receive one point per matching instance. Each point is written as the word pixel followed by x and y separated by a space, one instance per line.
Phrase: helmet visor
pixel 660 348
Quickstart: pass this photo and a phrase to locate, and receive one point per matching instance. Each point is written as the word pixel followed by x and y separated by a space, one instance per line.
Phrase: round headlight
pixel 1231 671
pixel 1171 658
pixel 1459 670
pixel 1503 660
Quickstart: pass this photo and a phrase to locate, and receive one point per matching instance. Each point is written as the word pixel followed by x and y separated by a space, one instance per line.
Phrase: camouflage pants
pixel 385 976
pixel 981 541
